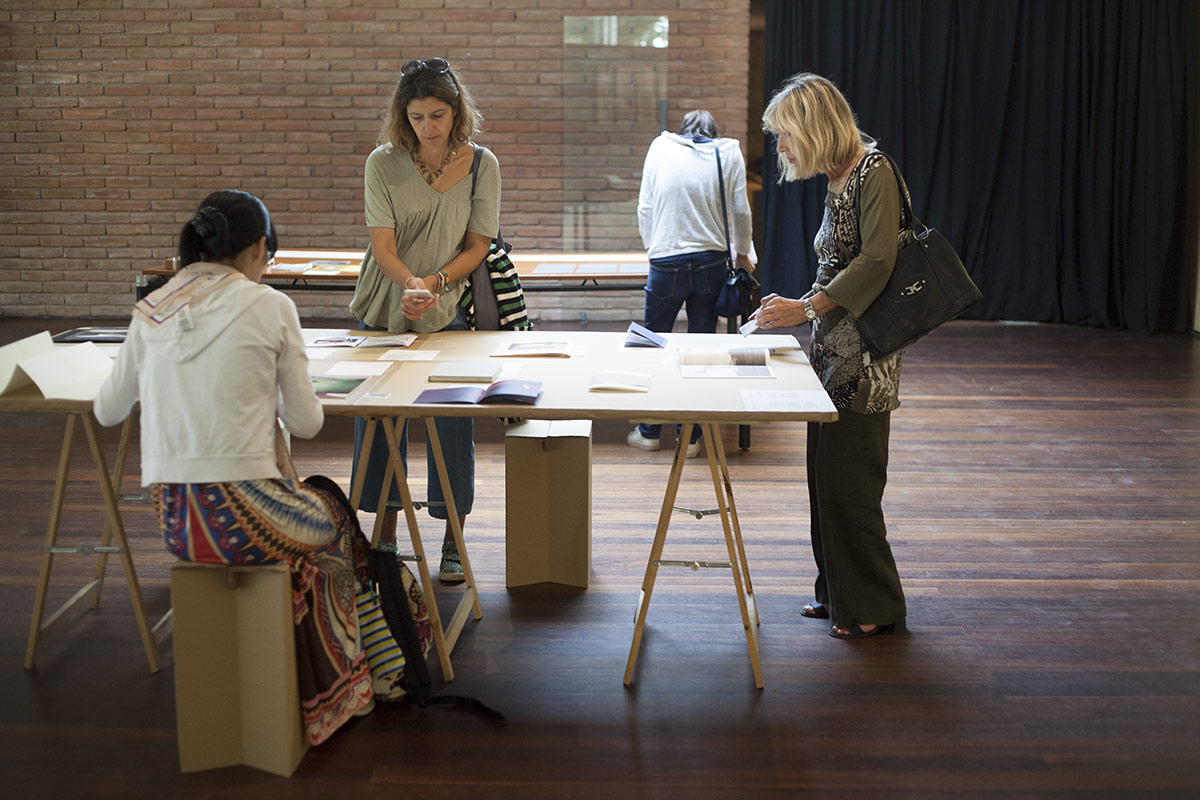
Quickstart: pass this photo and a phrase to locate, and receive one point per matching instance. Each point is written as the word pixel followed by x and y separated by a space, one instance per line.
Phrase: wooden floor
pixel 1044 509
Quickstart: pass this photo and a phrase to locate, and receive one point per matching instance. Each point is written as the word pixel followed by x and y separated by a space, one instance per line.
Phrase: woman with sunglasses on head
pixel 215 357
pixel 858 586
pixel 430 225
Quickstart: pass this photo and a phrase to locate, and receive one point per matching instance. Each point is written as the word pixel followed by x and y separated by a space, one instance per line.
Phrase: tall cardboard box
pixel 236 698
pixel 548 502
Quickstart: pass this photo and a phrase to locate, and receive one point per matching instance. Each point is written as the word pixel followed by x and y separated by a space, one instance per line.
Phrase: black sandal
pixel 856 631
pixel 815 610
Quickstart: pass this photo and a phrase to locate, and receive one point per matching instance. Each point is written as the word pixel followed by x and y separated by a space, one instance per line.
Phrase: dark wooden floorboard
pixel 1044 509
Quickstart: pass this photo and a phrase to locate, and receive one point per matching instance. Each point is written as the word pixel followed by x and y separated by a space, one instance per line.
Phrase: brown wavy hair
pixel 447 87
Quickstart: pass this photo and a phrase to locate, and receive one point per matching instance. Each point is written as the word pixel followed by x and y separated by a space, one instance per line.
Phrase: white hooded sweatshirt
pixel 215 358
pixel 679 205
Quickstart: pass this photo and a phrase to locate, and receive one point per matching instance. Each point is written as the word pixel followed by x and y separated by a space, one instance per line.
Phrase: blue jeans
pixel 691 278
pixel 457 436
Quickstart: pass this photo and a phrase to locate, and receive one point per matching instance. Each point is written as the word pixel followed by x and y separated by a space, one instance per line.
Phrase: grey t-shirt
pixel 430 228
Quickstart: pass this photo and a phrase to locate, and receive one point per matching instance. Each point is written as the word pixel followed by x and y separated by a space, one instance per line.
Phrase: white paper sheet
pixel 755 400
pixel 408 355
pixel 357 369
pixel 69 373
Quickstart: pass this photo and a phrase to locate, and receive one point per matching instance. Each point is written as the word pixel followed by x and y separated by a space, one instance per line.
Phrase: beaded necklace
pixel 429 176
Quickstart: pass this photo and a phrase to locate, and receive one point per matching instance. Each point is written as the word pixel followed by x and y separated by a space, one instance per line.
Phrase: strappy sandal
pixel 856 631
pixel 815 610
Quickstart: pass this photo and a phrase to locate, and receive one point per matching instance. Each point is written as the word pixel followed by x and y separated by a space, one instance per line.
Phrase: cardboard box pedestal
pixel 236 700
pixel 548 502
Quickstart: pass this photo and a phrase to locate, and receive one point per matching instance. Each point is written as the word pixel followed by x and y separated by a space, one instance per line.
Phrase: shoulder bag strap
pixel 475 167
pixel 721 188
pixel 905 203
pixel 499 237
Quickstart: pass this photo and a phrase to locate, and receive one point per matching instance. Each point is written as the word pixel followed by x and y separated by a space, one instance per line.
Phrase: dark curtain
pixel 1051 142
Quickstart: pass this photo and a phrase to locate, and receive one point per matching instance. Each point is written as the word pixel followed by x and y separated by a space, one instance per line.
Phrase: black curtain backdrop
pixel 1052 142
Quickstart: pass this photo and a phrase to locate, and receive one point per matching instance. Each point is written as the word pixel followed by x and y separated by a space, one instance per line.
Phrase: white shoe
pixel 635 439
pixel 367 709
pixel 693 449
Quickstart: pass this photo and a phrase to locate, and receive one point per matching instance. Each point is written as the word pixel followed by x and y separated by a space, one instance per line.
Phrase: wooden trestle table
pixel 793 394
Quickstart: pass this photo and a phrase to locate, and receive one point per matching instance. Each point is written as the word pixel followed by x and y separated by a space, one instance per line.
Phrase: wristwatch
pixel 810 313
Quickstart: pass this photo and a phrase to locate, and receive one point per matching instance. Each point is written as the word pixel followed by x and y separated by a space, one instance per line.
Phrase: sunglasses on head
pixel 440 66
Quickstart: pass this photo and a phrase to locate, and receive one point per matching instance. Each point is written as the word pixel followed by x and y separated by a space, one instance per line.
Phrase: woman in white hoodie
pixel 215 357
pixel 686 229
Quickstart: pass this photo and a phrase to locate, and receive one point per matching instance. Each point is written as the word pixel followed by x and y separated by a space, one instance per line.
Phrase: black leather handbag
pixel 929 285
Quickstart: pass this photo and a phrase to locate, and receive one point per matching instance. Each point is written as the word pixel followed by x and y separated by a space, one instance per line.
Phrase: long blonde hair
pixel 814 115
pixel 445 86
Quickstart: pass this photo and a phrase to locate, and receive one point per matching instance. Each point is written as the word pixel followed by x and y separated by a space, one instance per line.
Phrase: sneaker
pixel 693 449
pixel 635 439
pixel 367 709
pixel 451 570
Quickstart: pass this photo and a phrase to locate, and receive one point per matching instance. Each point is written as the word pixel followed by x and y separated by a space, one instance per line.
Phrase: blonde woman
pixel 857 586
pixel 430 226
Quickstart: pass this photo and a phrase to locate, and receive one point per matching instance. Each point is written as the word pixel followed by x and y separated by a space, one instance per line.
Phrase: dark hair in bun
pixel 226 223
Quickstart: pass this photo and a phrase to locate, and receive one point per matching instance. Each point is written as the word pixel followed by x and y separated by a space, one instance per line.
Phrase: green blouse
pixel 855 257
pixel 430 229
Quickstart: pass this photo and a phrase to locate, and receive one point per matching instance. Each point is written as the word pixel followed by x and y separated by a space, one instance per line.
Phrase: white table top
pixel 794 393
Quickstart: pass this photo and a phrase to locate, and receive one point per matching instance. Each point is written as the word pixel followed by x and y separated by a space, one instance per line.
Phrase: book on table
pixel 735 362
pixel 505 392
pixel 534 349
pixel 641 336
pixel 100 335
pixel 619 381
pixel 354 340
pixel 331 387
pixel 464 372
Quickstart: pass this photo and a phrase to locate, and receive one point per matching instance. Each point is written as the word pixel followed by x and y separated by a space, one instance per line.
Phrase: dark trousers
pixel 847 472
pixel 691 278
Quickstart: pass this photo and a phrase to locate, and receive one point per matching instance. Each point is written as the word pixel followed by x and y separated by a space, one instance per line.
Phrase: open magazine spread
pixel 501 392
pixel 736 362
pixel 534 349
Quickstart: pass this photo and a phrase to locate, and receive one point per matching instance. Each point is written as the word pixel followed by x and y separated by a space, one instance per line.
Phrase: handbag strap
pixel 475 168
pixel 498 239
pixel 721 188
pixel 913 222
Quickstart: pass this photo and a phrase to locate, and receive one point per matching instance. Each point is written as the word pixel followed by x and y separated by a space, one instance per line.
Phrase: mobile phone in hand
pixel 421 294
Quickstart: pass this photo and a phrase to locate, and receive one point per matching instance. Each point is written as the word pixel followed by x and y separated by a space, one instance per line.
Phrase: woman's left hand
pixel 415 307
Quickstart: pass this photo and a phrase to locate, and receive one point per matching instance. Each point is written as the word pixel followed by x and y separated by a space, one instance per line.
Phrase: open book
pixel 501 392
pixel 535 349
pixel 331 387
pixel 73 372
pixel 641 336
pixel 351 340
pixel 736 362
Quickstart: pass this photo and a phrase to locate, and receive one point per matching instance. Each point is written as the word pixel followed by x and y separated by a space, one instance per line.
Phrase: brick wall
pixel 118 116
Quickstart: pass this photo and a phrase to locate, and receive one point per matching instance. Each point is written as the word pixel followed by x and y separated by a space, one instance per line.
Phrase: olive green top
pixel 430 231
pixel 855 257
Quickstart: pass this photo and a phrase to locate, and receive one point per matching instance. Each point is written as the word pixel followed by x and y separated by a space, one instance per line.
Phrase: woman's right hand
pixel 415 307
pixel 776 311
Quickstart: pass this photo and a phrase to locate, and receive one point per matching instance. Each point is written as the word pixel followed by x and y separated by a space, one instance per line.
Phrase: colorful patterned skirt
pixel 280 521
